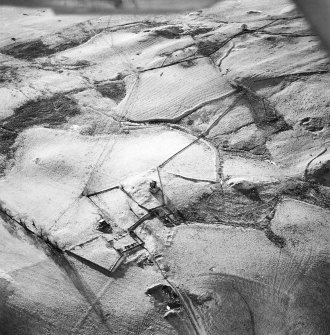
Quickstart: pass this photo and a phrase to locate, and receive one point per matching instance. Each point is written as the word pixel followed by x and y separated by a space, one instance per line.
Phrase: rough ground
pixel 227 109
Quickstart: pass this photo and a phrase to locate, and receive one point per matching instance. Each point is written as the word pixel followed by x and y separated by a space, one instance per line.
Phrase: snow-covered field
pixel 164 174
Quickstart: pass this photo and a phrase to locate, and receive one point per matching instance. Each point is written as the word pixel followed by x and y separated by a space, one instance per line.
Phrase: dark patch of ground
pixel 7 139
pixel 313 124
pixel 264 114
pixel 188 63
pixel 230 207
pixel 310 192
pixel 9 317
pixel 320 175
pixel 163 296
pixel 169 32
pixel 49 112
pixel 277 240
pixel 34 49
pixel 7 74
pixel 115 90
pixel 207 48
pixel 248 148
pixel 27 50
pixel 200 30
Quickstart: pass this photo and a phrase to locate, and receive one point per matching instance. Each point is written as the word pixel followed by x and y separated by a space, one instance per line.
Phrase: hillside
pixel 165 174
